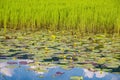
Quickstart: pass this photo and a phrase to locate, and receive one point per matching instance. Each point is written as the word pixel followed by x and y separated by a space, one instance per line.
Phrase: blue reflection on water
pixel 22 72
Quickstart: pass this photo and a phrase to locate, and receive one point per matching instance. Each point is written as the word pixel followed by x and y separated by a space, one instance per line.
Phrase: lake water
pixel 19 70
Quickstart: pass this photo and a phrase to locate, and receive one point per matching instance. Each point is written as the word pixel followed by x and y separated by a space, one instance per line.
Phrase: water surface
pixel 20 70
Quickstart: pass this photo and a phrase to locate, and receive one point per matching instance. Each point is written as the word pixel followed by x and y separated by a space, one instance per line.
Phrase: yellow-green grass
pixel 85 16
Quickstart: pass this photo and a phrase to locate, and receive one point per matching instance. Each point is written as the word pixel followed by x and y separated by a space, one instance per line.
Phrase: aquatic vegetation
pixel 14 58
pixel 53 37
pixel 76 78
pixel 59 73
pixel 103 53
pixel 101 60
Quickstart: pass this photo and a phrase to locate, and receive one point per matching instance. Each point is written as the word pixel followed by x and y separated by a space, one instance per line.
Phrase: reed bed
pixel 84 16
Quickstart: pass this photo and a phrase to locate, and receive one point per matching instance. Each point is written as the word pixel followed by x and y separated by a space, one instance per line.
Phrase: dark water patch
pixel 25 56
pixel 51 59
pixel 19 55
pixel 47 60
pixel 13 50
pixel 116 69
pixel 15 54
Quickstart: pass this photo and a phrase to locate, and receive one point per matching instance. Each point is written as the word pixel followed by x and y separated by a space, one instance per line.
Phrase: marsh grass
pixel 84 16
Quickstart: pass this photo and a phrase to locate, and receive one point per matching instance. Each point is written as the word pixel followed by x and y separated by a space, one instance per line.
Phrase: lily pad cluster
pixel 98 52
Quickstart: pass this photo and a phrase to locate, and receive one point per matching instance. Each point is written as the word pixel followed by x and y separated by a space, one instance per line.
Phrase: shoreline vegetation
pixel 83 16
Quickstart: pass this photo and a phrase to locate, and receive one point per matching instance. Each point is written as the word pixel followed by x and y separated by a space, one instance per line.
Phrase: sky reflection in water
pixel 22 72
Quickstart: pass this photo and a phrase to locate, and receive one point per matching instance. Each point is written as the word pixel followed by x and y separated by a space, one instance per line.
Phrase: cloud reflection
pixel 100 75
pixel 91 74
pixel 5 71
pixel 3 64
pixel 88 73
